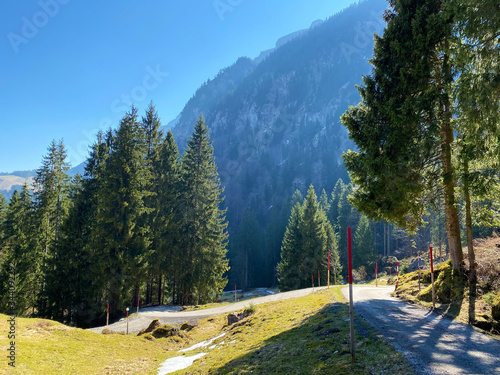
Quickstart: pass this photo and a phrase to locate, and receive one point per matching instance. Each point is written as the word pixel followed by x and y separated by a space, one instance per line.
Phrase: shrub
pixel 250 309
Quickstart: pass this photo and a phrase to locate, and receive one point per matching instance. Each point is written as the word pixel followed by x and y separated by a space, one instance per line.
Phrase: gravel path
pixel 433 344
pixel 172 315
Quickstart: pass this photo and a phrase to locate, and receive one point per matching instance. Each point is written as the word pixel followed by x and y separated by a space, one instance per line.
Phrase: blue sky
pixel 69 68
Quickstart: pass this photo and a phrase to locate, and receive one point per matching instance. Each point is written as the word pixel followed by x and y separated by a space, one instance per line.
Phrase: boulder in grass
pixel 188 326
pixel 232 318
pixel 152 326
pixel 167 330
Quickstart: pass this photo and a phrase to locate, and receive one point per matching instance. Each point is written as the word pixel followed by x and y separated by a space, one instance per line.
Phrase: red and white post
pixel 107 316
pixel 127 320
pixel 432 279
pixel 351 302
pixel 138 305
pixel 376 274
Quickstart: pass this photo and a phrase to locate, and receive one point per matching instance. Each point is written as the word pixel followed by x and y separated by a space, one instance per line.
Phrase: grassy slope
pixel 296 336
pixel 452 289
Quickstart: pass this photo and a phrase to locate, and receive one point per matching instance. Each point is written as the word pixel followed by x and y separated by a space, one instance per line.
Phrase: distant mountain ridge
pixel 275 124
pixel 11 181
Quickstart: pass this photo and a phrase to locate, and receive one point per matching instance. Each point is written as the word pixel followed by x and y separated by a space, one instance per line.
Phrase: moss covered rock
pixel 495 308
pixel 167 330
pixel 152 326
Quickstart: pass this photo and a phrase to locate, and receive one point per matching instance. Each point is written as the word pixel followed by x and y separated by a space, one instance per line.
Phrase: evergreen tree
pixel 288 268
pixel 75 281
pixel 324 204
pixel 364 244
pixel 402 125
pixel 167 228
pixel 122 228
pixel 51 197
pixel 203 237
pixel 308 238
pixel 333 211
pixel 314 239
pixel 20 250
pixel 154 139
pixel 3 209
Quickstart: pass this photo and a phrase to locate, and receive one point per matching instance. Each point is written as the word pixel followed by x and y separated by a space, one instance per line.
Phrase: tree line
pixel 141 225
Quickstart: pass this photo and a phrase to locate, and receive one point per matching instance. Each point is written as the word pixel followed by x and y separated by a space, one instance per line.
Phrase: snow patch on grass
pixel 178 363
pixel 202 344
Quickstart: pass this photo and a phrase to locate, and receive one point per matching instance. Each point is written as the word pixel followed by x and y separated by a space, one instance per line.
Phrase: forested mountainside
pixel 276 126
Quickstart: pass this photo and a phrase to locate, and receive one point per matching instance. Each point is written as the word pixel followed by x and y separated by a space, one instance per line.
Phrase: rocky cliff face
pixel 275 124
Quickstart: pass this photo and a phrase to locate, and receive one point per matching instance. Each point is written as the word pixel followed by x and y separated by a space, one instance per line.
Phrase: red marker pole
pixel 351 302
pixel 390 271
pixel 138 304
pixel 397 275
pixel 328 281
pixel 107 316
pixel 432 279
pixel 376 275
pixel 127 320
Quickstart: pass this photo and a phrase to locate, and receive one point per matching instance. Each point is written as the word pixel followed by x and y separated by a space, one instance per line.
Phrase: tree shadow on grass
pixel 319 345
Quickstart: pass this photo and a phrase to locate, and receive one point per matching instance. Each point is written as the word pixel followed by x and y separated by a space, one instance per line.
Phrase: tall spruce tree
pixel 402 125
pixel 51 196
pixel 364 244
pixel 122 227
pixel 477 111
pixel 203 236
pixel 167 175
pixel 154 139
pixel 308 238
pixel 20 251
pixel 75 281
pixel 333 210
pixel 288 268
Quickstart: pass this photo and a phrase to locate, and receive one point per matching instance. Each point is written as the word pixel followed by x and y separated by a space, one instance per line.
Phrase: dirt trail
pixel 432 343
pixel 171 315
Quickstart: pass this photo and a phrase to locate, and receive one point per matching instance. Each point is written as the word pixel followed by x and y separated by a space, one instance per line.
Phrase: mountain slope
pixel 275 125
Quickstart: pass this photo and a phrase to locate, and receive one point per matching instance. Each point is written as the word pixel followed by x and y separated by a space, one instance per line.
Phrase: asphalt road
pixel 172 315
pixel 433 344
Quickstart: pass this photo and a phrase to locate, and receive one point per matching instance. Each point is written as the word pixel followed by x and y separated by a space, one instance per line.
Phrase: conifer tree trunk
pixel 470 247
pixel 452 220
pixel 159 288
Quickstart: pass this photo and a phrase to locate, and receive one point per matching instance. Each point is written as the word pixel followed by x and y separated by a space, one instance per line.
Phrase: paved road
pixel 433 344
pixel 172 315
